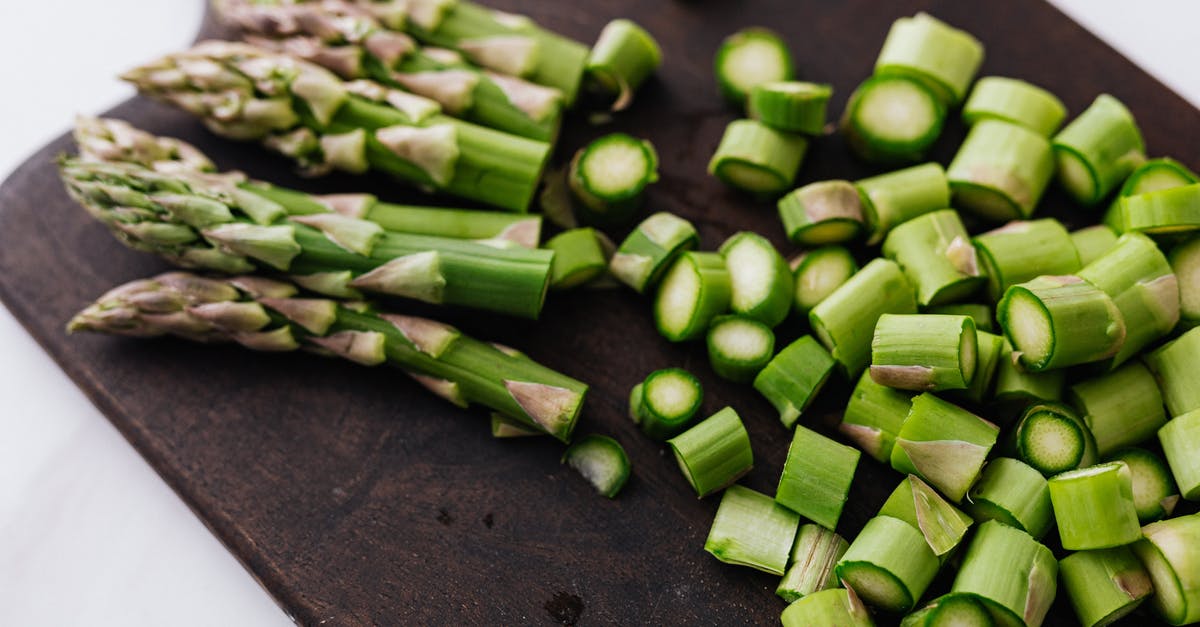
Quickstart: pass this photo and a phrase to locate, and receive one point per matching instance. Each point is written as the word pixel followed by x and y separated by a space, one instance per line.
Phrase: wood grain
pixel 355 498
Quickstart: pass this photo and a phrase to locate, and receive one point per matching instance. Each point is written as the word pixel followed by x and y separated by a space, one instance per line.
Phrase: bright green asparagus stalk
pixel 601 460
pixel 650 249
pixel 1185 262
pixel 1180 440
pixel 504 42
pixel 943 444
pixel 1051 438
pixel 1168 551
pixel 1094 507
pixel 264 314
pixel 794 377
pixel 889 565
pixel 1121 408
pixel 845 320
pixel 1010 572
pixel 307 113
pixel 897 197
pixel 1015 385
pixel 1175 210
pixel 579 257
pixel 979 313
pixel 625 55
pixel 1097 150
pixel 1058 321
pixel 352 43
pixel 751 529
pixel 107 140
pixel 1175 365
pixel 873 417
pixel 1154 492
pixel 936 255
pixel 1014 101
pixel 1001 170
pixel 942 57
pixel 205 221
pixel 816 477
pixel 1013 493
pixel 715 453
pixel 1104 586
pixel 924 352
pixel 951 610
pixel 836 607
pixel 1151 176
pixel 990 352
pixel 826 212
pixel 942 524
pixel 1093 242
pixel 814 554
pixel 760 279
pixel 1022 251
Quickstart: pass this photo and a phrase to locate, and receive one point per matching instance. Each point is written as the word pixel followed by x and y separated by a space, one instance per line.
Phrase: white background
pixel 88 533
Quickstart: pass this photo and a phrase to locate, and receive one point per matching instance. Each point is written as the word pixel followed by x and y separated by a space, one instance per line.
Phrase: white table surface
pixel 88 533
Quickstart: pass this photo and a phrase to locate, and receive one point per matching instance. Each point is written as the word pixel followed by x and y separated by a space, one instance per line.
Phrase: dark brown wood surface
pixel 356 498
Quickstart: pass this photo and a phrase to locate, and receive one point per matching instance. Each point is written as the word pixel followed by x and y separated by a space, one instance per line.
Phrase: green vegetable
pixel 756 158
pixel 715 453
pixel 794 377
pixel 578 258
pixel 1175 365
pixel 944 445
pixel 1097 150
pixel 1180 439
pixel 889 565
pixel 892 120
pixel 936 255
pixel 1058 321
pixel 1052 439
pixel 1001 170
pixel 1154 491
pixel 897 197
pixel 816 477
pixel 739 347
pixel 1009 572
pixel 1122 408
pixel 818 273
pixel 623 58
pixel 873 417
pixel 827 212
pixel 814 554
pixel 1168 551
pixel 1105 585
pixel 760 280
pixel 924 352
pixel 602 461
pixel 609 177
pixel 750 529
pixel 942 57
pixel 790 106
pixel 748 58
pixel 1094 507
pixel 845 320
pixel 1013 493
pixel 1022 251
pixel 695 291
pixel 836 607
pixel 1016 102
pixel 665 402
pixel 650 249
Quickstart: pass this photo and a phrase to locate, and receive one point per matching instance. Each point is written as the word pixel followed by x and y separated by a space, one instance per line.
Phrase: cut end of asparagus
pixel 554 408
pixel 602 461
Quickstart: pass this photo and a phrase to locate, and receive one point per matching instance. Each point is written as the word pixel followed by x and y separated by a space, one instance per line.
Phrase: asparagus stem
pixel 714 453
pixel 602 461
pixel 818 273
pixel 790 106
pixel 845 320
pixel 873 417
pixel 897 197
pixel 651 248
pixel 1180 440
pixel 1139 279
pixel 980 314
pixel 816 477
pixel 578 258
pixel 506 43
pixel 814 554
pixel 1022 251
pixel 892 120
pixel 1122 408
pixel 1016 102
pixel 990 352
pixel 935 253
pixel 794 377
pixel 1097 150
pixel 1175 210
pixel 924 352
pixel 942 57
pixel 1001 170
pixel 1175 365
pixel 1015 385
pixel 942 524
pixel 189 220
pixel 944 445
pixel 1013 493
pixel 1094 507
pixel 666 402
pixel 1154 491
pixel 750 57
pixel 695 290
pixel 760 280
pixel 503 427
pixel 1168 551
pixel 739 347
pixel 1104 586
pixel 1093 242
pixel 1150 176
pixel 836 607
pixel 1058 321
pixel 262 314
pixel 609 177
pixel 827 212
pixel 889 565
pixel 950 609
pixel 757 158
pixel 751 529
pixel 1052 439
pixel 1010 572
pixel 623 58
pixel 1185 263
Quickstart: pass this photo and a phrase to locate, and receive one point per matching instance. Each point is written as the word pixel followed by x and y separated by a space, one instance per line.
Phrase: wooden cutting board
pixel 356 498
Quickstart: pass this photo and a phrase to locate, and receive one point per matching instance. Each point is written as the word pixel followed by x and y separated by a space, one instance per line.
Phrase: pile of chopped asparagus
pixel 1082 345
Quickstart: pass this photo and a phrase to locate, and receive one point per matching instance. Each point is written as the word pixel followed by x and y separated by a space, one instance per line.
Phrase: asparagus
pixel 845 320
pixel 790 106
pixel 1120 409
pixel 1013 493
pixel 751 529
pixel 623 58
pixel 202 221
pixel 695 290
pixel 651 248
pixel 892 119
pixel 989 353
pixel 794 377
pixel 504 42
pixel 1180 439
pixel 936 255
pixel 889 565
pixel 1175 365
pixel 957 610
pixel 835 607
pixel 750 57
pixel 816 477
pixel 578 258
pixel 757 158
pixel 739 347
pixel 1001 170
pixel 1093 242
pixel 665 402
pixel 1175 210
pixel 1185 263
pixel 609 177
pixel 873 417
pixel 106 140
pixel 307 113
pixel 827 212
pixel 1097 150
pixel 1022 251
pixel 714 453
pixel 1154 491
pixel 760 280
pixel 942 57
pixel 1014 384
pixel 944 445
pixel 602 462
pixel 1151 176
pixel 980 314
pixel 1058 321
pixel 924 352
pixel 349 41
pixel 1104 586
pixel 1016 102
pixel 1168 551
pixel 1052 439
pixel 818 273
pixel 1009 572
pixel 265 314
pixel 942 524
pixel 896 197
pixel 1094 507
pixel 503 427
pixel 814 554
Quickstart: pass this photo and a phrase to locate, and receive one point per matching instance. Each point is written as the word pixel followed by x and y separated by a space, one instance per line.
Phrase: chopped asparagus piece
pixel 739 347
pixel 873 417
pixel 1180 440
pixel 1052 439
pixel 1185 262
pixel 623 58
pixel 836 607
pixel 1154 491
pixel 942 524
pixel 1097 150
pixel 1058 321
pixel 609 177
pixel 897 197
pixel 666 402
pixel 1001 170
pixel 818 273
pixel 1093 242
pixel 944 445
pixel 1014 101
pixel 790 106
pixel 816 477
pixel 1175 210
pixel 602 461
pixel 1105 585
pixel 924 352
pixel 651 248
pixel 936 255
pixel 828 212
pixel 751 57
pixel 889 565
pixel 1013 493
pixel 1175 365
pixel 794 377
pixel 814 554
pixel 756 158
pixel 892 120
pixel 1122 408
pixel 714 453
pixel 1010 572
pixel 695 290
pixel 845 320
pixel 760 280
pixel 751 529
pixel 1168 551
pixel 578 258
pixel 1094 507
pixel 944 58
pixel 1022 251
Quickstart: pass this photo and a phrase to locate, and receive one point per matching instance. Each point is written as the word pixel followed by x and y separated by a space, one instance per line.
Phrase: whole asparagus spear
pixel 268 315
pixel 307 113
pixel 345 38
pixel 207 221
pixel 115 141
